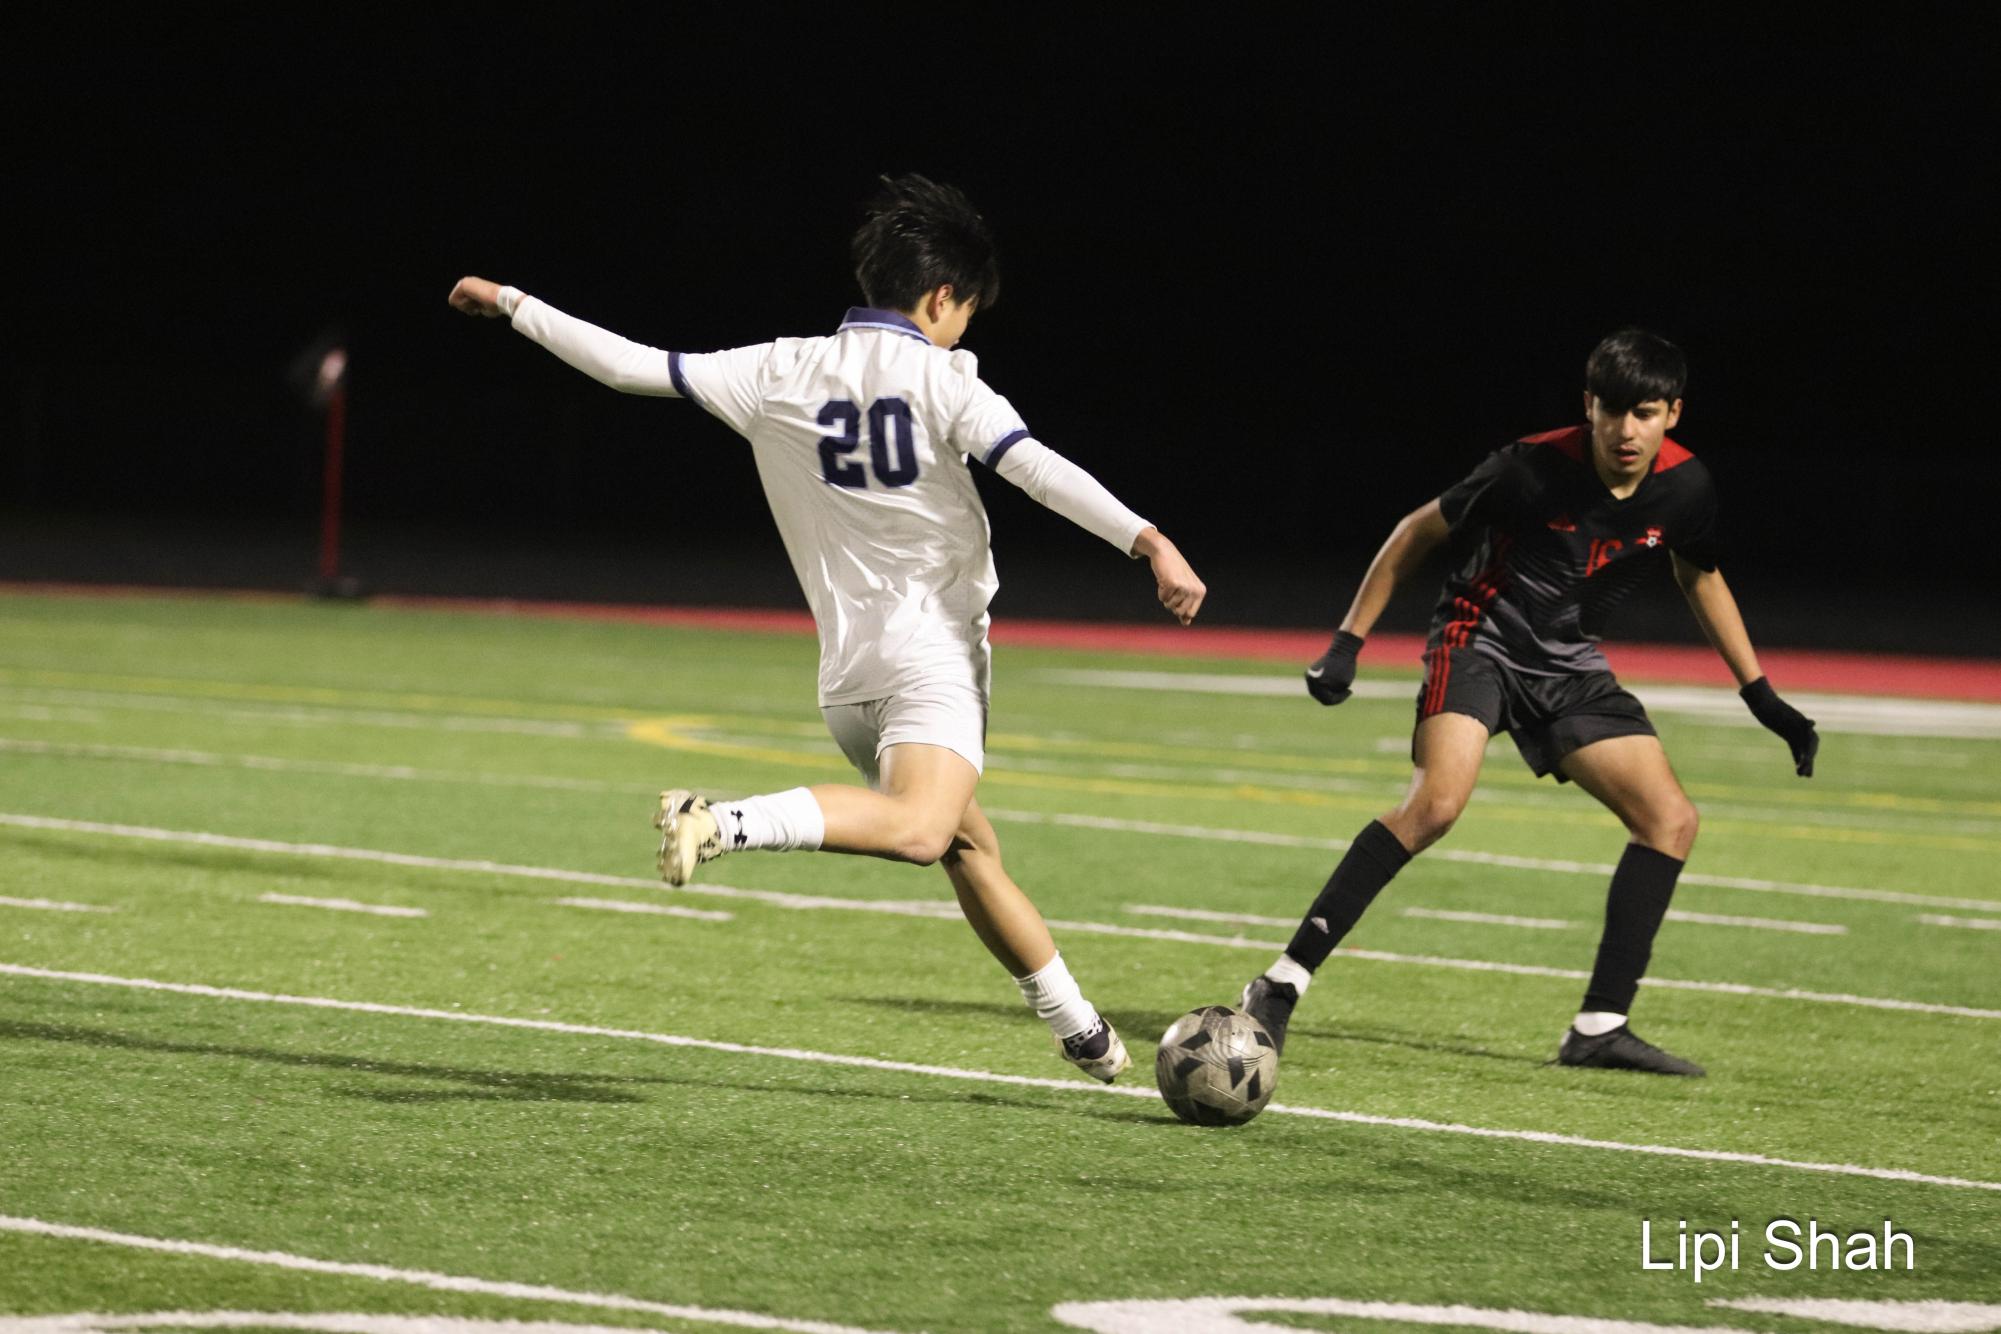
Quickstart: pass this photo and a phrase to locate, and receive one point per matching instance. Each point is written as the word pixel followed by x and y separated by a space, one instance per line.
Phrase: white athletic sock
pixel 776 822
pixel 1286 970
pixel 1592 1023
pixel 1054 996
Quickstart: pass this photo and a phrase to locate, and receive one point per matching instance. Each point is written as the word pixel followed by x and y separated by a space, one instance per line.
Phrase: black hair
pixel 1635 366
pixel 916 237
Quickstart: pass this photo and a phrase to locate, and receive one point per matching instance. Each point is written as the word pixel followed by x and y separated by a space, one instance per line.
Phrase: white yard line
pixel 332 768
pixel 1906 1317
pixel 1879 715
pixel 1504 860
pixel 1539 970
pixel 531 1292
pixel 1208 915
pixel 1215 683
pixel 52 905
pixel 931 909
pixel 362 1322
pixel 1760 923
pixel 1545 798
pixel 1492 919
pixel 977 1076
pixel 1964 923
pixel 652 909
pixel 343 905
pixel 1905 757
pixel 42 713
pixel 1252 919
pixel 1245 1315
pixel 326 715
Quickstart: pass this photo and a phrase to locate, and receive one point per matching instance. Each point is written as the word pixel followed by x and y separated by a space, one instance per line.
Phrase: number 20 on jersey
pixel 892 444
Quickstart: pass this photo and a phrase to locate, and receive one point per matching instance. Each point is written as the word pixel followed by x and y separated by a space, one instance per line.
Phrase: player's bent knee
pixel 1688 823
pixel 1425 819
pixel 921 846
pixel 1672 830
pixel 1438 813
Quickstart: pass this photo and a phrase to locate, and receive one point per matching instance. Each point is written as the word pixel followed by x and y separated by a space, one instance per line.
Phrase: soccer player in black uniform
pixel 1548 535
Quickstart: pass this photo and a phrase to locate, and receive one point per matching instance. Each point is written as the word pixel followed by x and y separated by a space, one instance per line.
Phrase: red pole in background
pixel 330 492
pixel 331 392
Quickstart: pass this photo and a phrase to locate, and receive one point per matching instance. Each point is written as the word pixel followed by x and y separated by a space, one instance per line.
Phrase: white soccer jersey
pixel 862 441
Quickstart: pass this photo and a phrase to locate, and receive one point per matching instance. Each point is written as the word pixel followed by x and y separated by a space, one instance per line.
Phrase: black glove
pixel 1328 679
pixel 1787 721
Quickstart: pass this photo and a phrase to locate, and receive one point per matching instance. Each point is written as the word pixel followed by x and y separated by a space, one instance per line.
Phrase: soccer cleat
pixel 1097 1051
pixel 1270 1003
pixel 688 835
pixel 1622 1049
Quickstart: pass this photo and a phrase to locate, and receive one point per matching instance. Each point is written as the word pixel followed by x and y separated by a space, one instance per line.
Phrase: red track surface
pixel 1790 669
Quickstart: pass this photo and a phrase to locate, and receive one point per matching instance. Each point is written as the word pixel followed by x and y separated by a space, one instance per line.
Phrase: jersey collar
pixel 889 321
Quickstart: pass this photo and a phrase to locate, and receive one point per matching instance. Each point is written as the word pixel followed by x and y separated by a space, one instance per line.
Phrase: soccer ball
pixel 1216 1067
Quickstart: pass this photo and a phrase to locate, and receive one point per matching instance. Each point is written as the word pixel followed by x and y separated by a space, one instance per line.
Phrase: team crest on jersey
pixel 1563 523
pixel 1653 538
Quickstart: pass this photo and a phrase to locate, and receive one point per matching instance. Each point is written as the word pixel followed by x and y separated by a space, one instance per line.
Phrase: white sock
pixel 777 822
pixel 1054 996
pixel 1287 970
pixel 1593 1023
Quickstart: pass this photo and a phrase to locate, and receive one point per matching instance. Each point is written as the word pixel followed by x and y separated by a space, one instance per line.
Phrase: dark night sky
pixel 1276 284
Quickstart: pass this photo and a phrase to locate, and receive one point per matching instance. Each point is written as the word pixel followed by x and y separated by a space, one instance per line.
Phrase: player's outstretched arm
pixel 1715 609
pixel 629 367
pixel 1082 499
pixel 1331 677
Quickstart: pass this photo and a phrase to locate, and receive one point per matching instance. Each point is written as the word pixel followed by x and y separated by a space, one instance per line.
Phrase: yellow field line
pixel 674 732
pixel 669 733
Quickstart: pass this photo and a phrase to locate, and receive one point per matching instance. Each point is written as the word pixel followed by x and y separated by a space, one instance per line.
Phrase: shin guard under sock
pixel 1373 859
pixel 1642 886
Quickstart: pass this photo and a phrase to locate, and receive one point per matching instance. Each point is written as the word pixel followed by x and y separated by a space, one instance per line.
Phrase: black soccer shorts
pixel 1548 716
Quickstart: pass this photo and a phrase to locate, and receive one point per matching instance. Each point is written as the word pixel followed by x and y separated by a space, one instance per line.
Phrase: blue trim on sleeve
pixel 1004 444
pixel 680 380
pixel 888 321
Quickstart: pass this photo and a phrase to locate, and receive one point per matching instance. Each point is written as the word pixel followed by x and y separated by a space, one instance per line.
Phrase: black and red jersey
pixel 1542 551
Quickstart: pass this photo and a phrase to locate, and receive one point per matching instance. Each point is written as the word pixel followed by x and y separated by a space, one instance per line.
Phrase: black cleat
pixel 1270 1003
pixel 1622 1049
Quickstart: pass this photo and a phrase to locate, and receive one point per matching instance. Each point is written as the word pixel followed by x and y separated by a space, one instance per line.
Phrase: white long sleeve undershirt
pixel 629 367
pixel 1062 486
pixel 634 368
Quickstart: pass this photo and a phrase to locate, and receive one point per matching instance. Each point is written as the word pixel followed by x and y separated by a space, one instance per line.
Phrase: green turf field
pixel 805 1094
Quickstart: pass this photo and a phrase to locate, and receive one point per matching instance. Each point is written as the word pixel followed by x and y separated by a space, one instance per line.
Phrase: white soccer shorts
pixel 951 714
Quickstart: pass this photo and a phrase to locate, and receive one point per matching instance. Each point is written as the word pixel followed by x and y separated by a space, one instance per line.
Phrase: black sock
pixel 1634 907
pixel 1372 860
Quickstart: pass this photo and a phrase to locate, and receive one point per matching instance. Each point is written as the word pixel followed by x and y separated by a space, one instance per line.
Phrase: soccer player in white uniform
pixel 862 442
